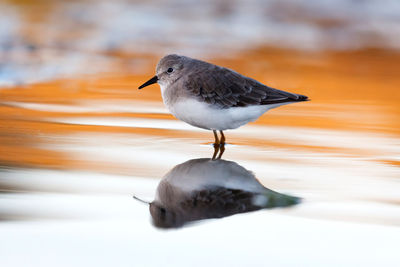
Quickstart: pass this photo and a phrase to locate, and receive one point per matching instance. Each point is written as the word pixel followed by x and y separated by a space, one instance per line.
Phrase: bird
pixel 213 97
pixel 203 188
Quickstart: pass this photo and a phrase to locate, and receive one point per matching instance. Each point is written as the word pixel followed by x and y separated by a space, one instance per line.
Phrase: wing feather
pixel 227 88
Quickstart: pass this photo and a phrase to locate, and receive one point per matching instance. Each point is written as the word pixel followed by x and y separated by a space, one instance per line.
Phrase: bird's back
pixel 226 88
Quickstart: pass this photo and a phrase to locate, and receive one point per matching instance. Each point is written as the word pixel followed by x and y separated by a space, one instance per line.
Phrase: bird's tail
pixel 272 199
pixel 302 98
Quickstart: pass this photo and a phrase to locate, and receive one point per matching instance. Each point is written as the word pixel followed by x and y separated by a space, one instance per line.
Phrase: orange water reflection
pixel 103 123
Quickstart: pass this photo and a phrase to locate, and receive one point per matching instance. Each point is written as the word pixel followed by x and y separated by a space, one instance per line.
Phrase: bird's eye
pixel 169 70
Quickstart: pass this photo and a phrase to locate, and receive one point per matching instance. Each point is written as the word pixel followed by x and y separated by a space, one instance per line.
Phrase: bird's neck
pixel 166 95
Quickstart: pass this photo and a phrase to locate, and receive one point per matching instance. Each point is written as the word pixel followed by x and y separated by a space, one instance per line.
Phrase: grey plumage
pixel 201 189
pixel 224 87
pixel 212 97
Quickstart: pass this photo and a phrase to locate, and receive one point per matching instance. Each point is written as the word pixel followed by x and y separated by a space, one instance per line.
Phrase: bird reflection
pixel 204 188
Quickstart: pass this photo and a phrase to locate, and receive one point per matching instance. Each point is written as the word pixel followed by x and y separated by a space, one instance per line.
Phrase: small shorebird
pixel 213 97
pixel 202 188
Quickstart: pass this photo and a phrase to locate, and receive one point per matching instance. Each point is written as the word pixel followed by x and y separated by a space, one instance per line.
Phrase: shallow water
pixel 75 151
pixel 77 144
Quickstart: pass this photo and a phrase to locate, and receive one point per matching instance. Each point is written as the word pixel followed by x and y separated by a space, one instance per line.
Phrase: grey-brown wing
pixel 227 88
pixel 218 202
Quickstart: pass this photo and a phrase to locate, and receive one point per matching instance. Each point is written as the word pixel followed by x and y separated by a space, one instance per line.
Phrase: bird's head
pixel 164 217
pixel 168 70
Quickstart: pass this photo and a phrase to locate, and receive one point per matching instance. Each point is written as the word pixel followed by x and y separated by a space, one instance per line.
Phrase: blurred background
pixel 77 139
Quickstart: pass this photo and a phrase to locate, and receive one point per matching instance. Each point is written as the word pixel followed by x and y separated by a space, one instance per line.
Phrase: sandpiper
pixel 213 97
pixel 202 188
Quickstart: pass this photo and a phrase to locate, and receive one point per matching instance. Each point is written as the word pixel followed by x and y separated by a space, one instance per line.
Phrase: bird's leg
pixel 221 151
pixel 216 144
pixel 222 140
pixel 221 145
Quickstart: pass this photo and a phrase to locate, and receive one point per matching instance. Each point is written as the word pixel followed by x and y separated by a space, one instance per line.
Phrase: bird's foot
pixel 221 150
pixel 216 150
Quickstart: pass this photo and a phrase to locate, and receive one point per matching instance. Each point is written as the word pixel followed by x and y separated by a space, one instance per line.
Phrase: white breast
pixel 203 115
pixel 198 174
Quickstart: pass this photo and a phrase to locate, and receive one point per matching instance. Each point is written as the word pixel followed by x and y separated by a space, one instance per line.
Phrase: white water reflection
pixel 114 106
pixel 100 215
pixel 270 239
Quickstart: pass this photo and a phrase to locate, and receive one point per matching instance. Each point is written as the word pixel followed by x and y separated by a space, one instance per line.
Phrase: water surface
pixel 78 140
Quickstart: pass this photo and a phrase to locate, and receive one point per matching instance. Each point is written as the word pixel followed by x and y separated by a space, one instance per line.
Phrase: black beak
pixel 151 81
pixel 141 200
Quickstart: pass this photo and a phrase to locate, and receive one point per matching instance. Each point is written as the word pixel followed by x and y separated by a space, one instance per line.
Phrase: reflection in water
pixel 219 148
pixel 203 188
